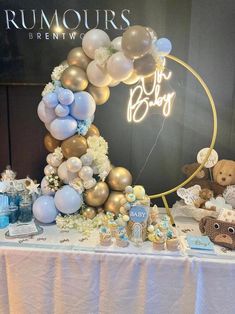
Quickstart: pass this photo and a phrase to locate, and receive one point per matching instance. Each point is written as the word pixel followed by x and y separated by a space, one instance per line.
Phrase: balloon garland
pixel 79 174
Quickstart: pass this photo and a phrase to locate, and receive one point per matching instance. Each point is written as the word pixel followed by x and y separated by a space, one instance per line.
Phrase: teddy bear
pixel 224 172
pixel 204 196
pixel 223 175
pixel 201 178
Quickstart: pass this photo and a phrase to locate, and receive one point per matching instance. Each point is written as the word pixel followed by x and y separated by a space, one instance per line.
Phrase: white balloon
pixel 132 79
pixel 114 83
pixel 74 164
pixel 48 170
pixel 98 76
pixel 55 161
pixel 89 183
pixel 119 66
pixel 45 187
pixel 94 39
pixel 86 159
pixel 65 175
pixel 85 173
pixel 48 159
pixel 117 43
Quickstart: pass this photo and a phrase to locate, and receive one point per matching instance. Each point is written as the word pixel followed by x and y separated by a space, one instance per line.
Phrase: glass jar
pixel 14 213
pixel 13 197
pixel 25 211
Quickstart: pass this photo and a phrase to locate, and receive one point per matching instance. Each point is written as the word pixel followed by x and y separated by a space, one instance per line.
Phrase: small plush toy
pixel 204 196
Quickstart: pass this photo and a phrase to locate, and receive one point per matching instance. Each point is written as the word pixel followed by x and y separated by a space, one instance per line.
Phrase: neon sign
pixel 142 99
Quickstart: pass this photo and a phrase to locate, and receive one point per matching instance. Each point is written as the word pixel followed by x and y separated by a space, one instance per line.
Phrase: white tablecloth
pixel 42 280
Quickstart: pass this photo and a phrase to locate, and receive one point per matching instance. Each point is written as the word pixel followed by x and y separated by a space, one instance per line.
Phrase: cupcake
pixel 121 237
pixel 113 227
pixel 158 240
pixel 164 224
pixel 122 241
pixel 105 236
pixel 159 245
pixel 172 242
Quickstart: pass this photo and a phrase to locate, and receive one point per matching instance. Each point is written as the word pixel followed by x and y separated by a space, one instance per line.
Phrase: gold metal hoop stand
pixel 212 144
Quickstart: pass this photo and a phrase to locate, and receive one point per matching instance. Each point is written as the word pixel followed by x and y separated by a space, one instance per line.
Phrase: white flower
pixel 31 186
pixel 98 144
pixel 102 55
pixel 89 183
pixel 57 72
pixel 77 184
pixel 48 88
pixel 58 153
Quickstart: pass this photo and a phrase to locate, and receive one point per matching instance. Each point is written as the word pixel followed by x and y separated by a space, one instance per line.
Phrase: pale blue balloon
pixel 65 96
pixel 51 100
pixel 83 106
pixel 62 111
pixel 44 209
pixel 67 200
pixel 45 114
pixel 58 89
pixel 163 46
pixel 62 128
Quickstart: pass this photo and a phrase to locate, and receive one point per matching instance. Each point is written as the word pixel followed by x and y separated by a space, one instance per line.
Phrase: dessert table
pixel 62 271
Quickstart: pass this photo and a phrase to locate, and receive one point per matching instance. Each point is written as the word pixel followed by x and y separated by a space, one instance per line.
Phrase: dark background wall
pixel 202 33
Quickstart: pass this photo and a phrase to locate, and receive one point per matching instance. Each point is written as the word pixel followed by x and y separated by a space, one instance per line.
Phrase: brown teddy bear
pixel 205 195
pixel 223 175
pixel 202 177
pixel 224 172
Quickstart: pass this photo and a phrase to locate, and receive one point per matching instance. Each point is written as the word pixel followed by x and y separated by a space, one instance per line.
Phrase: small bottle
pixel 25 208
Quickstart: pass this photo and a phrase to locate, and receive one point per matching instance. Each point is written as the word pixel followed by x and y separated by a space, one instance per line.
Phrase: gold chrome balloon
pixel 119 178
pixel 145 66
pixel 51 143
pixel 89 212
pixel 78 57
pixel 74 78
pixel 93 131
pixel 74 146
pixel 97 195
pixel 100 94
pixel 136 41
pixel 113 203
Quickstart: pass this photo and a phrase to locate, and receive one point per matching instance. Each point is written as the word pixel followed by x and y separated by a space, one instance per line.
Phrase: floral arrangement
pixel 79 223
